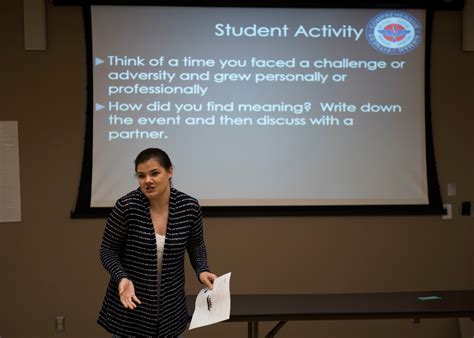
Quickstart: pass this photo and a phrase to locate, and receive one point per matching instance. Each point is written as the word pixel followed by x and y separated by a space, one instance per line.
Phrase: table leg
pixel 252 330
pixel 274 331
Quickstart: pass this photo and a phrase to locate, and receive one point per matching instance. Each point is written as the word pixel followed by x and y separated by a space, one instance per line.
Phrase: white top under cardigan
pixel 160 248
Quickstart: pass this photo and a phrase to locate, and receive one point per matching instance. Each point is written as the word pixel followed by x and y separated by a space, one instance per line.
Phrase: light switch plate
pixel 451 189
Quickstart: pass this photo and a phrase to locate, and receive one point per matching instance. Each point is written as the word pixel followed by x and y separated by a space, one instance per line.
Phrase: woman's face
pixel 154 180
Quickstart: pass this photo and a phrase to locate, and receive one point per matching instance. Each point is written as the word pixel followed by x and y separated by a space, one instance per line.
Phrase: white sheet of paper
pixel 212 306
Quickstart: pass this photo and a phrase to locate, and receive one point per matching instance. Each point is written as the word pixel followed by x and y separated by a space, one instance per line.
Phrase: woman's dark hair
pixel 154 153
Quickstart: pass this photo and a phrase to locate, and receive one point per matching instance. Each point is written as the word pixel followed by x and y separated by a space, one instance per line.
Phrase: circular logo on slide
pixel 393 32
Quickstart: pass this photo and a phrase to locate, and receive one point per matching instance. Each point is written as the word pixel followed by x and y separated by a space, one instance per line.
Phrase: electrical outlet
pixel 60 324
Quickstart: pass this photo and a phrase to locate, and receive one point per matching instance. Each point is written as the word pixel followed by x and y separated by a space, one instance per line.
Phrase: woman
pixel 145 239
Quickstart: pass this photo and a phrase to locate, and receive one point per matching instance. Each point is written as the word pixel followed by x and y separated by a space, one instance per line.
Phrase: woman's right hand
pixel 127 294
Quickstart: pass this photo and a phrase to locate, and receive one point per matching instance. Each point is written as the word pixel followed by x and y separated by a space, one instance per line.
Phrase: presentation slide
pixel 262 106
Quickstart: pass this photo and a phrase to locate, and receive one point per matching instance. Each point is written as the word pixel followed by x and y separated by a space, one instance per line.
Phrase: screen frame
pixel 82 208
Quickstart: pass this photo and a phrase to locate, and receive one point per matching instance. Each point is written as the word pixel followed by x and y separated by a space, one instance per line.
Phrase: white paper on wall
pixel 10 200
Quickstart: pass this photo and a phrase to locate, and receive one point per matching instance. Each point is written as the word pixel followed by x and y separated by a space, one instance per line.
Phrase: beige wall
pixel 49 263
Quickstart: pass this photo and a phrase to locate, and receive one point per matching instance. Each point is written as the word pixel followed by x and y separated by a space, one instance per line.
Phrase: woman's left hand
pixel 207 279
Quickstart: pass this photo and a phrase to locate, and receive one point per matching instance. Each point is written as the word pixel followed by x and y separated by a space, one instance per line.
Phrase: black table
pixel 387 305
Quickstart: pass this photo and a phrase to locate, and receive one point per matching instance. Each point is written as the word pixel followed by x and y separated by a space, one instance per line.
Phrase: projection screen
pixel 263 107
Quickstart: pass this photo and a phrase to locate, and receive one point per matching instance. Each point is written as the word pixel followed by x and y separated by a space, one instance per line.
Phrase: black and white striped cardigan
pixel 129 250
